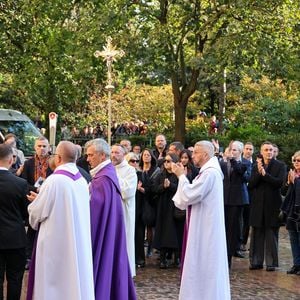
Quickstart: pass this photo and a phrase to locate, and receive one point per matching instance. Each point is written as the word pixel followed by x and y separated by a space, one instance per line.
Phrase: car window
pixel 25 131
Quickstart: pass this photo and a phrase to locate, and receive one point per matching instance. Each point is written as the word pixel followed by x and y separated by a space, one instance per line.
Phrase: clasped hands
pixel 260 167
pixel 178 169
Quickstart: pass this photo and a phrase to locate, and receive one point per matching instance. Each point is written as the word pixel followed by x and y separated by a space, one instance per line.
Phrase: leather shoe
pixel 270 269
pixel 140 264
pixel 163 266
pixel 293 270
pixel 239 254
pixel 255 267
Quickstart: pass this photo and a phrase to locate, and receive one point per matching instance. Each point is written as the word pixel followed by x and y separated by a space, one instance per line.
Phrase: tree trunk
pixel 222 104
pixel 180 105
pixel 181 97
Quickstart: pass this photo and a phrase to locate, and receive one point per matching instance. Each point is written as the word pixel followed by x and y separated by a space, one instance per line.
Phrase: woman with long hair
pixel 145 205
pixel 190 170
pixel 166 239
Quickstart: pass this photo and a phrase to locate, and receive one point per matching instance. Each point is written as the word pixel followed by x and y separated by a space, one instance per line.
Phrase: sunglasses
pixel 168 160
pixel 296 160
pixel 133 160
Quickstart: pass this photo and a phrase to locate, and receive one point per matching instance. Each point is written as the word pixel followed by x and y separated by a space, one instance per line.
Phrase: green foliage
pixel 47 62
pixel 267 110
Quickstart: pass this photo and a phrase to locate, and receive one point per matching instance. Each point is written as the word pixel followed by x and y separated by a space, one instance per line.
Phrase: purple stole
pixel 185 235
pixel 33 257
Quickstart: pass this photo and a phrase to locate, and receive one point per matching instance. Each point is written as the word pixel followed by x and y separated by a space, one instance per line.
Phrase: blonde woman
pixel 291 208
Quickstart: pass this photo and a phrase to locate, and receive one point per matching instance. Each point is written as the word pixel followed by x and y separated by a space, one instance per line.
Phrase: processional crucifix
pixel 110 55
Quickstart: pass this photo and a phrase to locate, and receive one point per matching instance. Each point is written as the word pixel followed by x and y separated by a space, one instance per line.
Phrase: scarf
pixel 40 167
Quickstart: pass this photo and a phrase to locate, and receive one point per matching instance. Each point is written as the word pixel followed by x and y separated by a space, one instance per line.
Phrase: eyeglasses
pixel 133 160
pixel 296 160
pixel 168 161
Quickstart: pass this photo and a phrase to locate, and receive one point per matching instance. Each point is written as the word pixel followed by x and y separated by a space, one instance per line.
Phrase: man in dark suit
pixel 13 211
pixel 247 156
pixel 266 181
pixel 234 185
pixel 35 171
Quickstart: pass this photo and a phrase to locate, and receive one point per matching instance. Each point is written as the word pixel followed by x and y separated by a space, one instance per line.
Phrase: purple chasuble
pixel 112 275
pixel 31 274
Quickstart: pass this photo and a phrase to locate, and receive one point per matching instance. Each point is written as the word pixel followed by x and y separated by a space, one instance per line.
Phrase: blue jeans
pixel 295 245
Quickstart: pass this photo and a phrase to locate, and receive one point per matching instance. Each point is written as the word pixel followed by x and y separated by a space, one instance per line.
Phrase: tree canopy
pixel 47 61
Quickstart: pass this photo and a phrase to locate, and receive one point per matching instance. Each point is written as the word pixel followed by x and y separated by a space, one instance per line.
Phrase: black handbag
pixel 179 214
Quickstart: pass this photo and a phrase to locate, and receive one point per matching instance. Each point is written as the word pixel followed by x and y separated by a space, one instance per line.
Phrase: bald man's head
pixel 67 151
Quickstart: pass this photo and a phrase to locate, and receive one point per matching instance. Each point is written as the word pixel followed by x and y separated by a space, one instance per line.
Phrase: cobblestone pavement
pixel 153 283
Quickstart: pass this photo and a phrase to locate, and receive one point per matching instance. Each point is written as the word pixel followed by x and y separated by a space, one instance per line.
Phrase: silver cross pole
pixel 110 55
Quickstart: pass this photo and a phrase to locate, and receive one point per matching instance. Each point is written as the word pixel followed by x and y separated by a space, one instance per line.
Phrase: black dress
pixel 166 237
pixel 148 181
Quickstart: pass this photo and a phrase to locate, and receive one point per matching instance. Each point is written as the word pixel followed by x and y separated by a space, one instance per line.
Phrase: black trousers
pixel 30 241
pixel 139 241
pixel 12 263
pixel 232 229
pixel 246 227
pixel 264 246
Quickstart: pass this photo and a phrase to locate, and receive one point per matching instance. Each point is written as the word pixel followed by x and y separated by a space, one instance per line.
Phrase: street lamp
pixel 110 55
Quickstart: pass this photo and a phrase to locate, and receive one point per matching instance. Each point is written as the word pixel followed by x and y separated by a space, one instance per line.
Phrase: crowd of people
pixel 109 208
pixel 99 131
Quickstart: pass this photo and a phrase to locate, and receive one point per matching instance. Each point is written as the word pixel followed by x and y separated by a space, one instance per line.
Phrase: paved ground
pixel 154 284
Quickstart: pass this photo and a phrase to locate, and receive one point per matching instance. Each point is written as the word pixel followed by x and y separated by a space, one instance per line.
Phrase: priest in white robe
pixel 128 183
pixel 63 265
pixel 205 272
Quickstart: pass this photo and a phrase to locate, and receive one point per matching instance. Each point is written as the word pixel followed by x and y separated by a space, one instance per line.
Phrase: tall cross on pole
pixel 110 55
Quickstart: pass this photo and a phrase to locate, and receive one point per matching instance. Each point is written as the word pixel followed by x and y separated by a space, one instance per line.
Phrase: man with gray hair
pixel 62 265
pixel 128 183
pixel 235 197
pixel 112 276
pixel 127 145
pixel 205 269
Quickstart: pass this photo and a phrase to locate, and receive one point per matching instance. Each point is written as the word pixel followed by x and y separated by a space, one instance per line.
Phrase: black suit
pixel 233 186
pixel 264 210
pixel 246 209
pixel 13 211
pixel 28 174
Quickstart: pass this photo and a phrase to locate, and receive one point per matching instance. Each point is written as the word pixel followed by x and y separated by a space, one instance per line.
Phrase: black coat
pixel 235 182
pixel 148 181
pixel 160 161
pixel 291 206
pixel 13 210
pixel 86 175
pixel 165 229
pixel 192 173
pixel 266 198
